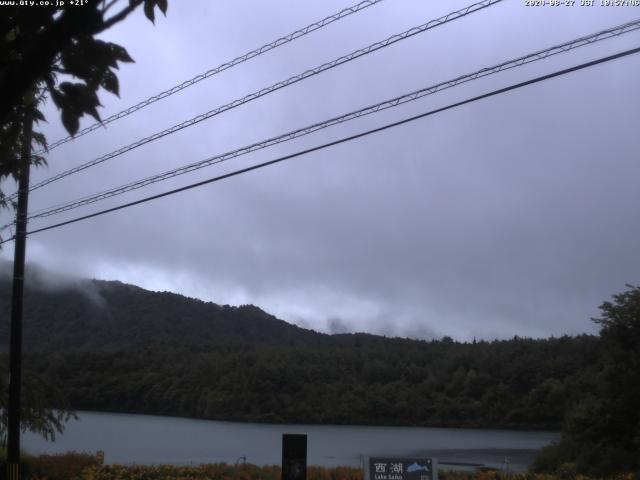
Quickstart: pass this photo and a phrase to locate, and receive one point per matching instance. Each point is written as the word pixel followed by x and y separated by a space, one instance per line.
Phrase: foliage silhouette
pixel 601 436
pixel 53 51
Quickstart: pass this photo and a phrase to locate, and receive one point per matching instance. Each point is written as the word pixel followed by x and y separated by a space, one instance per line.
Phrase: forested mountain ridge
pixel 96 315
pixel 116 347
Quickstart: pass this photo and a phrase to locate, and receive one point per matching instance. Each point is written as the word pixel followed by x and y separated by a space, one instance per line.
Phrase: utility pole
pixel 15 345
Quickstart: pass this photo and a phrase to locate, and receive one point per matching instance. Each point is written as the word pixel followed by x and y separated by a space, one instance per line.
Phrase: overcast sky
pixel 516 215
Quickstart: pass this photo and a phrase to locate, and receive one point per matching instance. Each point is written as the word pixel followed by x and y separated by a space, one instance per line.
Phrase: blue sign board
pixel 383 468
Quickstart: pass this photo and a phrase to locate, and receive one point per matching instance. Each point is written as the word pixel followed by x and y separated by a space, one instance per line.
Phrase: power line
pixel 277 86
pixel 220 68
pixel 409 97
pixel 342 140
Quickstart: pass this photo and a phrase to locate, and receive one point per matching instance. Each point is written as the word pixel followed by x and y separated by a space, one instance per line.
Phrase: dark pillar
pixel 294 457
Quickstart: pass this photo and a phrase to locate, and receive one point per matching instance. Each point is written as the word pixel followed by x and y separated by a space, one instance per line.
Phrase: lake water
pixel 146 439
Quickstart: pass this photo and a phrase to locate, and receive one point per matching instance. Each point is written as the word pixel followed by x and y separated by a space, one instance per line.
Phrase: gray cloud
pixel 43 279
pixel 515 215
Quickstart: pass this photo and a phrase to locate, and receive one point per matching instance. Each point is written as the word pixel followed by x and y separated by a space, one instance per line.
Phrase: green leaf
pixel 56 96
pixel 87 59
pixel 40 139
pixel 38 160
pixel 76 99
pixel 70 121
pixel 38 116
pixel 162 5
pixel 121 53
pixel 110 82
pixel 93 111
pixel 148 10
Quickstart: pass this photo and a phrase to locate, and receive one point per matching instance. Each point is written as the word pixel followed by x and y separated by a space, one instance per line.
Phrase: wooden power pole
pixel 15 345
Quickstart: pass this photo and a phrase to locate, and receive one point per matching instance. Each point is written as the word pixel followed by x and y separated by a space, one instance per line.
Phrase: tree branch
pixel 118 17
pixel 109 5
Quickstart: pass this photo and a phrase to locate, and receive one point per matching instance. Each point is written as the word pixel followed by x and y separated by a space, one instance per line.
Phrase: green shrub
pixel 67 466
pixel 549 458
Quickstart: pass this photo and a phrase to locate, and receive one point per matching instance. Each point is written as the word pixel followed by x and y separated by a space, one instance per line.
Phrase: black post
pixel 15 345
pixel 294 456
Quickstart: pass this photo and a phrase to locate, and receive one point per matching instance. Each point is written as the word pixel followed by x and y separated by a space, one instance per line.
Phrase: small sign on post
pixel 385 468
pixel 294 457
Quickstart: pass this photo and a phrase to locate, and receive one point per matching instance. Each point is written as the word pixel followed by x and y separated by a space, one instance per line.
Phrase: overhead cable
pixel 342 140
pixel 276 86
pixel 220 68
pixel 409 97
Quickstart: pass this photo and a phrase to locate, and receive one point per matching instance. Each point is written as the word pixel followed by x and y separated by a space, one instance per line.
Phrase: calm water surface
pixel 146 439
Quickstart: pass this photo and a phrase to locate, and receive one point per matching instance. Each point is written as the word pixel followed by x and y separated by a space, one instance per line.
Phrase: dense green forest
pixel 519 383
pixel 115 347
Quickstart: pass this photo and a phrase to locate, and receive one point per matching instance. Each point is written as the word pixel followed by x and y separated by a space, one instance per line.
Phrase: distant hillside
pixel 93 315
pixel 115 347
